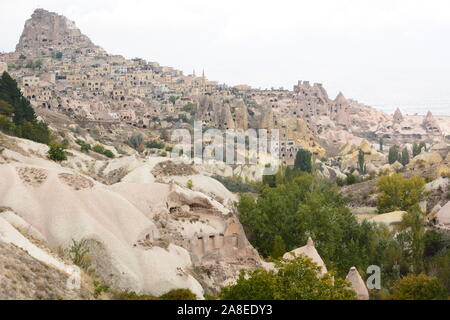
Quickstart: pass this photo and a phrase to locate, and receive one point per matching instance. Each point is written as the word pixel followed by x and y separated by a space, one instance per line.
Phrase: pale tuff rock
pixel 372 157
pixel 24 277
pixel 442 148
pixel 242 117
pixel 398 116
pixel 391 219
pixel 357 284
pixel 49 32
pixel 425 159
pixel 109 221
pixel 443 216
pixel 227 117
pixel 310 251
pixel 266 121
pixel 442 170
pixel 430 123
pixel 438 184
pixel 147 237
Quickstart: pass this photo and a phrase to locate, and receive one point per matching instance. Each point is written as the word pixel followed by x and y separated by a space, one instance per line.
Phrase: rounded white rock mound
pixel 63 206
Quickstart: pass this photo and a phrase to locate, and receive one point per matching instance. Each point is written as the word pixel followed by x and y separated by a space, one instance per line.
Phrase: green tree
pixel 439 267
pixel 418 147
pixel 303 161
pixel 279 248
pixel 10 93
pixel 57 153
pixel 361 162
pixel 308 206
pixel 405 157
pixel 412 224
pixel 295 279
pixel 418 287
pixel 399 193
pixel 394 154
pixel 6 109
pixel 381 144
pixel 135 141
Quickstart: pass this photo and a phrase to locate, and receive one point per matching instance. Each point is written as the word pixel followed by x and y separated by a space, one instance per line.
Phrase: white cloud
pixel 383 52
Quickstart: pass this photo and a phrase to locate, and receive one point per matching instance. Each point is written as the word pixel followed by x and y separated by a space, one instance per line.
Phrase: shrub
pixel 235 184
pixel 85 147
pixel 78 254
pixel 108 153
pixel 57 153
pixel 179 294
pixel 189 184
pixel 99 288
pixel 340 182
pixel 153 144
pixel 418 287
pixel 351 179
pixel 135 141
pixel 131 295
pixel 439 267
pixel 102 150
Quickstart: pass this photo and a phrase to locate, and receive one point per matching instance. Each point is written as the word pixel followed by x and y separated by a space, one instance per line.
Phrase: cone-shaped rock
pixel 310 251
pixel 357 284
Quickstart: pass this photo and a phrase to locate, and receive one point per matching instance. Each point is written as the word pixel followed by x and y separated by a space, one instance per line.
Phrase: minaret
pixel 203 83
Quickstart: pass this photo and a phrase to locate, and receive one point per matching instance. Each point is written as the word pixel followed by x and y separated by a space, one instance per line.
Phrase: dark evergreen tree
pixel 303 161
pixel 10 93
pixel 405 156
pixel 361 162
pixel 394 154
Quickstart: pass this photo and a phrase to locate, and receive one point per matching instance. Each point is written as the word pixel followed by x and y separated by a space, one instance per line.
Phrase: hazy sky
pixel 384 53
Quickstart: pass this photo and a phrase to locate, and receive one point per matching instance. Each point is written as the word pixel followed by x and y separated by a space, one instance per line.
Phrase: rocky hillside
pixel 148 233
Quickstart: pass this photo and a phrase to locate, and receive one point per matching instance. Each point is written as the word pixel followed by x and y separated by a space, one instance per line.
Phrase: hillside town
pixel 60 69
